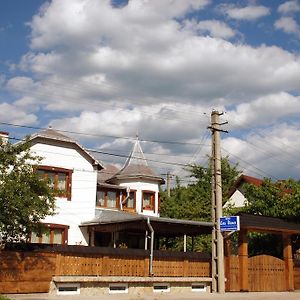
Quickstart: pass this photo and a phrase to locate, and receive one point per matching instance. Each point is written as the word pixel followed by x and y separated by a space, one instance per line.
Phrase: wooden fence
pixel 26 272
pixel 32 271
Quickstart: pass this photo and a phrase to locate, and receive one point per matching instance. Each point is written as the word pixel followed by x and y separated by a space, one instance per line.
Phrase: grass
pixel 3 297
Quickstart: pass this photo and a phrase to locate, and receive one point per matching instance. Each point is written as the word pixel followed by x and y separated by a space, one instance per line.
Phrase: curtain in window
pixel 111 199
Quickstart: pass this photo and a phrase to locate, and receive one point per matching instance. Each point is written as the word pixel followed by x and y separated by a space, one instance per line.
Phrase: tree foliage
pixel 279 199
pixel 193 202
pixel 25 198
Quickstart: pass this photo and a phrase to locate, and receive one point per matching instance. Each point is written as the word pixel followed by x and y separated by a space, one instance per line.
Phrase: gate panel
pixel 297 275
pixel 266 274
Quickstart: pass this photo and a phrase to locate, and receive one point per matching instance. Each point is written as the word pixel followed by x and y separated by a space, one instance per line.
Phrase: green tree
pixel 193 202
pixel 25 198
pixel 279 199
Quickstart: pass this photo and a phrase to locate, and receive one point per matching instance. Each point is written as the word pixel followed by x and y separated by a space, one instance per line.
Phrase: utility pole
pixel 218 274
pixel 168 184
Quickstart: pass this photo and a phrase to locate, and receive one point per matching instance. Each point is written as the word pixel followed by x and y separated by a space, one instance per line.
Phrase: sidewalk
pixel 179 296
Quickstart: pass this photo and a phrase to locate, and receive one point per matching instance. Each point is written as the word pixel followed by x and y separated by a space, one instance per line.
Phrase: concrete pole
pixel 217 207
pixel 168 184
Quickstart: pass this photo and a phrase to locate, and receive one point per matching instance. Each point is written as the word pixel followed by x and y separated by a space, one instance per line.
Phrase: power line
pixel 74 88
pixel 118 155
pixel 103 136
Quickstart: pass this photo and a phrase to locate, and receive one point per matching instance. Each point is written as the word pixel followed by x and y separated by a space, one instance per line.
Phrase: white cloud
pixel 289 7
pixel 267 154
pixel 144 67
pixel 288 25
pixel 215 28
pixel 251 12
pixel 96 61
pixel 12 114
pixel 257 112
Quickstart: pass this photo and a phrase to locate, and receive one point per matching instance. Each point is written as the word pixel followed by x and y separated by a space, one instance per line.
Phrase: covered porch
pixel 119 229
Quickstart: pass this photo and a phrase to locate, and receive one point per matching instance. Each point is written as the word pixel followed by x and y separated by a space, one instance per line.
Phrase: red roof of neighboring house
pixel 245 179
pixel 251 180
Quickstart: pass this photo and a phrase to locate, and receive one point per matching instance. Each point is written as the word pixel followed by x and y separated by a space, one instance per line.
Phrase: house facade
pixel 72 173
pixel 85 189
pixel 236 195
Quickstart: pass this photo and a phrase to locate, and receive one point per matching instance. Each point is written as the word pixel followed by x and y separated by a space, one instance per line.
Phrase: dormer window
pixel 130 202
pixel 148 198
pixel 58 179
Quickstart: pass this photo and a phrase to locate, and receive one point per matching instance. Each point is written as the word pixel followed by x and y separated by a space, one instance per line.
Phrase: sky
pixel 105 71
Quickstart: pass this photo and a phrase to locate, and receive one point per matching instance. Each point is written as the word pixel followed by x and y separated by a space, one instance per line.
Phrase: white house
pixel 85 189
pixel 236 194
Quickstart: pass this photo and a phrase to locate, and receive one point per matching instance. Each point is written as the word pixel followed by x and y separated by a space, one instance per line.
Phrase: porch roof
pixel 268 224
pixel 110 220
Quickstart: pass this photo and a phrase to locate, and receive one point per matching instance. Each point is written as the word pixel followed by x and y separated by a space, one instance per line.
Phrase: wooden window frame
pixel 152 201
pixel 124 195
pixel 52 227
pixel 105 190
pixel 56 171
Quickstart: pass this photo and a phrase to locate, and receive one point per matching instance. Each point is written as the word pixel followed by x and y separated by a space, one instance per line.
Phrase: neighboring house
pixel 236 194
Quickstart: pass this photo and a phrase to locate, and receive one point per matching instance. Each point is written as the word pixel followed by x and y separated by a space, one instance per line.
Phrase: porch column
pixel 288 261
pixel 184 243
pixel 243 260
pixel 146 240
pixel 92 237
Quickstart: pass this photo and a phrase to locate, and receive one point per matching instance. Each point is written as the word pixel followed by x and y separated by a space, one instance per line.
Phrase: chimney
pixel 4 137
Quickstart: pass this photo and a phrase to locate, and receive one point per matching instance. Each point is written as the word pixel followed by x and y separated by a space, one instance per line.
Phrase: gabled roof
pixel 51 134
pixel 136 166
pixel 245 179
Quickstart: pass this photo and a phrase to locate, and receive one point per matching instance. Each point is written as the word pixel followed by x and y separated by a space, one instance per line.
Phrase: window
pixel 129 203
pixel 108 198
pixel 161 288
pixel 148 200
pixel 118 288
pixel 59 180
pixel 52 234
pixel 68 288
pixel 198 287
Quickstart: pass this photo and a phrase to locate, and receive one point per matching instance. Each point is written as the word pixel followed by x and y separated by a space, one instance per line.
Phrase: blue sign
pixel 230 223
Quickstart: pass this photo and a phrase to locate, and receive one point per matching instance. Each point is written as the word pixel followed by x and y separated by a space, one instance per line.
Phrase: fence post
pixel 288 262
pixel 243 261
pixel 227 264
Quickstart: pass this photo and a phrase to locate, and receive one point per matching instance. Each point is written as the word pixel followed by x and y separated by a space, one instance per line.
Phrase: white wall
pixel 84 183
pixel 140 186
pixel 236 200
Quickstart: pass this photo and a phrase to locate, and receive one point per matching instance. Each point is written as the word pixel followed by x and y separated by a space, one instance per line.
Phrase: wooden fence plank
pixel 297 275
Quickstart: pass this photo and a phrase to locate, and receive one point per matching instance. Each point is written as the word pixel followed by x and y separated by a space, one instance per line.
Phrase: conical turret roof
pixel 136 166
